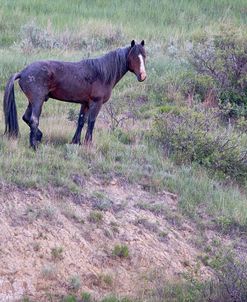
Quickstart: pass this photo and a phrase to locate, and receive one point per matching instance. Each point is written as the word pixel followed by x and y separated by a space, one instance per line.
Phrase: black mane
pixel 111 67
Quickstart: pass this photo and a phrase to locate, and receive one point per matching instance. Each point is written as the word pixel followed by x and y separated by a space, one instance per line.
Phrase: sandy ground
pixel 46 240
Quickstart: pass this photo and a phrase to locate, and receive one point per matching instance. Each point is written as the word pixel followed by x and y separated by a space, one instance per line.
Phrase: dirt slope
pixel 48 243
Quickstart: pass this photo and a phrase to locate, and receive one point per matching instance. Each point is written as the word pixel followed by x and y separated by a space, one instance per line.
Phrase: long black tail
pixel 9 107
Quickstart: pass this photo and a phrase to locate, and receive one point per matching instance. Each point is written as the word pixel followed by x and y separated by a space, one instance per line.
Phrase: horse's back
pixel 67 81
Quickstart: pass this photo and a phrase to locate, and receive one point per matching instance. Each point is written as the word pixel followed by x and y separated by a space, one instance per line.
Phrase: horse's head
pixel 136 60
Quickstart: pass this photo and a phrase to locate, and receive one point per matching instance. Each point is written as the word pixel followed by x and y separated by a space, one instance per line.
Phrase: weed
pixel 108 234
pixel 163 235
pixel 49 272
pixel 36 246
pixel 74 283
pixel 102 204
pixel 106 280
pixel 69 212
pixel 95 217
pixel 114 226
pixel 33 212
pixel 26 299
pixel 115 299
pixel 86 297
pixel 69 298
pixel 57 253
pixel 157 209
pixel 151 226
pixel 121 251
pixel 216 242
pixel 49 213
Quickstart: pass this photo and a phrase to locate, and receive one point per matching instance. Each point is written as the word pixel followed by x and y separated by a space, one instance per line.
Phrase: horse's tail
pixel 9 108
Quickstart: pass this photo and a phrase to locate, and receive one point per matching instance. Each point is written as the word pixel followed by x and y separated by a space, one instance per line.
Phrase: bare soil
pixel 46 239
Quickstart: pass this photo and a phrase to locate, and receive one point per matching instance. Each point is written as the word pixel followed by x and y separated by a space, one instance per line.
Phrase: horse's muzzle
pixel 142 77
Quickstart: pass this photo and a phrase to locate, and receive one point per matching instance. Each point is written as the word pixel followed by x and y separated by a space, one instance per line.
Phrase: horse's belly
pixel 69 95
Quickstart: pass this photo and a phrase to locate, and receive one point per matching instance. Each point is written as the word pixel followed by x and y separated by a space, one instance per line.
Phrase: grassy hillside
pixel 154 19
pixel 125 146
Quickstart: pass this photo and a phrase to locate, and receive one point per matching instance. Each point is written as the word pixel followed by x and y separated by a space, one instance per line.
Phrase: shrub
pixel 230 284
pixel 197 136
pixel 232 275
pixel 220 62
pixel 36 37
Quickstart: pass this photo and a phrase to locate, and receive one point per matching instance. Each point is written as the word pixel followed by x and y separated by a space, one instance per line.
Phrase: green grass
pixel 55 162
pixel 163 17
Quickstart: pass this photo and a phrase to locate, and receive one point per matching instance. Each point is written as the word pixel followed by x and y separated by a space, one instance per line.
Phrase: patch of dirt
pixel 46 239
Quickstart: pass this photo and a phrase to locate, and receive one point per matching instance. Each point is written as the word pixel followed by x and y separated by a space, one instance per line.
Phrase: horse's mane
pixel 112 66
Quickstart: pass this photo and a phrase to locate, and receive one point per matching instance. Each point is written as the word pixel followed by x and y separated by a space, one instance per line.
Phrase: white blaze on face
pixel 142 66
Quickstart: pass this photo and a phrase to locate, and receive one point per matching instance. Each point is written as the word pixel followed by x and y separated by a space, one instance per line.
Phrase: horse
pixel 88 82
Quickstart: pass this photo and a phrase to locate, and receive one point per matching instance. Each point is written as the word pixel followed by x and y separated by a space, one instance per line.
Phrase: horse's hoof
pixel 88 143
pixel 34 147
pixel 39 136
pixel 76 142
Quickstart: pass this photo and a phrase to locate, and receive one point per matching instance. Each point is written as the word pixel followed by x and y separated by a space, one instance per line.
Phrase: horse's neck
pixel 121 66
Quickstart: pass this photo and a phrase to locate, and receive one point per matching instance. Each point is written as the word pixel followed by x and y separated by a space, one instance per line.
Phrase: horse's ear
pixel 142 43
pixel 133 43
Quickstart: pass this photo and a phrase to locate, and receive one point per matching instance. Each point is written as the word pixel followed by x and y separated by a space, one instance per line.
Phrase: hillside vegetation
pixel 167 171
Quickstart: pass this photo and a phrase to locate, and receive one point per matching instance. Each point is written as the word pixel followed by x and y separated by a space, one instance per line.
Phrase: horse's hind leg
pixel 34 122
pixel 81 120
pixel 26 118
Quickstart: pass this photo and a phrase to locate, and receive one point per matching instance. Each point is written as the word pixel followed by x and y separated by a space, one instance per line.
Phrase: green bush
pixel 220 63
pixel 228 284
pixel 232 276
pixel 197 136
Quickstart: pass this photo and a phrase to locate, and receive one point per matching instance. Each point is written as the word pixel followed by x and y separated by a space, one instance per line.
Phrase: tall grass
pixel 151 19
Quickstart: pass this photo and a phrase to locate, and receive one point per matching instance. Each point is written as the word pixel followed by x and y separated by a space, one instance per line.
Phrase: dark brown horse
pixel 88 82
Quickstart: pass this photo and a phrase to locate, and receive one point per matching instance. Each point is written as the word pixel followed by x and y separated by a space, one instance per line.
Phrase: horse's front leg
pixel 81 120
pixel 94 109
